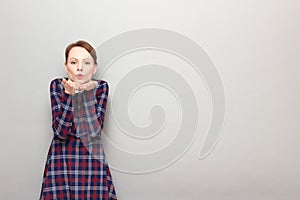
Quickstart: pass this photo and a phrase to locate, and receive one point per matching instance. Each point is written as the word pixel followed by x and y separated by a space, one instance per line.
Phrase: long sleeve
pixel 102 96
pixel 61 104
pixel 89 111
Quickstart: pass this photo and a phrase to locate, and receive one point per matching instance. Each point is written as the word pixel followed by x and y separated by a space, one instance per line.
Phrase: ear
pixel 95 68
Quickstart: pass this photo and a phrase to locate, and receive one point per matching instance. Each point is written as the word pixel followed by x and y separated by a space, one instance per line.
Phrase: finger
pixel 64 81
pixel 77 86
pixel 70 83
pixel 91 85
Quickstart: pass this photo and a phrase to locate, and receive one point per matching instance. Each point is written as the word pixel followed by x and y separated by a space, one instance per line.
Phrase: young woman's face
pixel 80 65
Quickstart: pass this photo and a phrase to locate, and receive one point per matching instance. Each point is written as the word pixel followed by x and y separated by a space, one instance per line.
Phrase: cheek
pixel 90 71
pixel 70 69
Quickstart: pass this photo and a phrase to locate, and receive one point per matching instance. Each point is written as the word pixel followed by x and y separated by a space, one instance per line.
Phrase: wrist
pixel 68 92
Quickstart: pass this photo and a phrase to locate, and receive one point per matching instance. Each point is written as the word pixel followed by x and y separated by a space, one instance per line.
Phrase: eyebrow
pixel 82 59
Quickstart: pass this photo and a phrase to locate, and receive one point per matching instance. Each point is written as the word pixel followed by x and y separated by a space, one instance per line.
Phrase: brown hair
pixel 83 44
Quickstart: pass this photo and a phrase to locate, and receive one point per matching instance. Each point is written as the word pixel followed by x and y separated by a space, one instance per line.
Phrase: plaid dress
pixel 76 166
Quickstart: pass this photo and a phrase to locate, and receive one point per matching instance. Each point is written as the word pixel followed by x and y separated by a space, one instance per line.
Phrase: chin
pixel 84 81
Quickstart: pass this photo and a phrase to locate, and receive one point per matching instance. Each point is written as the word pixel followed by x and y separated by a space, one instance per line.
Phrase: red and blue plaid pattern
pixel 76 166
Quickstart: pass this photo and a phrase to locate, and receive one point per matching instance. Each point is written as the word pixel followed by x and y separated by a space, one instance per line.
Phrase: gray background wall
pixel 255 46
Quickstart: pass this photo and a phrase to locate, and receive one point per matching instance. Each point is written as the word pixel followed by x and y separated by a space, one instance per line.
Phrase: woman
pixel 76 166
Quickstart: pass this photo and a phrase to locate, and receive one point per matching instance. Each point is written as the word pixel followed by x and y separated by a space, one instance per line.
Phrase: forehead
pixel 79 53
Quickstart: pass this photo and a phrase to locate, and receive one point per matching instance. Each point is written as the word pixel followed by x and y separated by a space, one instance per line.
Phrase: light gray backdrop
pixel 255 46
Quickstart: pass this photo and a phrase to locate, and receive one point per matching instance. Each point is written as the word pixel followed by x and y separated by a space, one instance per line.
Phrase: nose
pixel 79 67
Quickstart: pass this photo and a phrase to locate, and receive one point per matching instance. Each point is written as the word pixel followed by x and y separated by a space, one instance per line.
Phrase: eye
pixel 73 62
pixel 87 62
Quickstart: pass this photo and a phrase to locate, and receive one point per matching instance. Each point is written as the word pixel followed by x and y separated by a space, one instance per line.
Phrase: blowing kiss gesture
pixel 80 67
pixel 71 87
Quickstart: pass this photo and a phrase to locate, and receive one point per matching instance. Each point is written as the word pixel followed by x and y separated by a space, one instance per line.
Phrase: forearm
pixel 62 116
pixel 102 98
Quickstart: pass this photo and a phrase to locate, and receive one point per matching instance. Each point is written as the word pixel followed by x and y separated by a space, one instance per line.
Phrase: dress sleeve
pixel 61 104
pixel 102 96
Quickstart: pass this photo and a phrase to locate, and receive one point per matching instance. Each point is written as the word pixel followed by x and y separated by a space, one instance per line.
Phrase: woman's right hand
pixel 69 86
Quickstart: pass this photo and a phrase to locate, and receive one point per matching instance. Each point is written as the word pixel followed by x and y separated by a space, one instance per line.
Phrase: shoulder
pixel 56 84
pixel 56 81
pixel 102 86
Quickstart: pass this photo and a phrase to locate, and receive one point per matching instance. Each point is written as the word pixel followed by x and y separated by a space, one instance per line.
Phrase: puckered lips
pixel 79 76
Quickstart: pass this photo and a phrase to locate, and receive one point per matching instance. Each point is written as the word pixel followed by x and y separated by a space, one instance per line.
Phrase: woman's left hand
pixel 88 86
